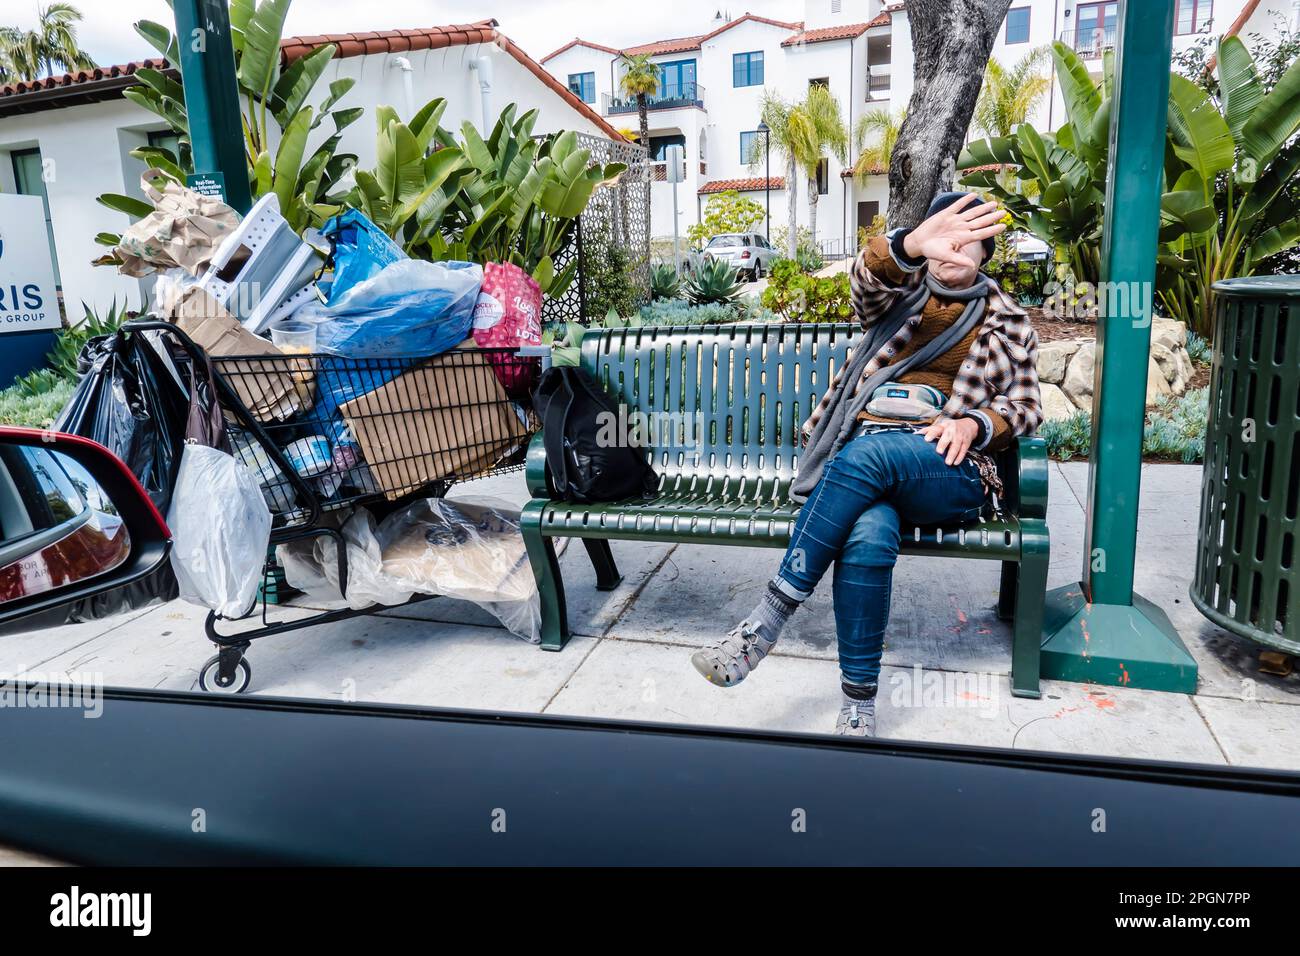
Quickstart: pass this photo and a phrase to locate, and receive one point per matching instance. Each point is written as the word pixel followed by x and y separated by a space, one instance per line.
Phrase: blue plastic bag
pixel 361 250
pixel 410 309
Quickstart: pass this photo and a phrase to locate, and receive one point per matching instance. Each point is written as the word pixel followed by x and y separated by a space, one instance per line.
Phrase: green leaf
pixel 1274 120
pixel 1283 170
pixel 297 82
pixel 1201 137
pixel 263 174
pixel 260 64
pixel 1278 239
pixel 1239 84
pixel 288 158
pixel 160 38
pixel 1082 98
pixel 136 208
pixel 108 239
pixel 545 273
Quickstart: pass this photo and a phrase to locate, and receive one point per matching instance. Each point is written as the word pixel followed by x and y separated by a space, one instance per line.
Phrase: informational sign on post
pixel 208 184
pixel 29 303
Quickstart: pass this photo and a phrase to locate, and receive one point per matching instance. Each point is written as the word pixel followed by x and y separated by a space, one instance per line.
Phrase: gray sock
pixel 771 613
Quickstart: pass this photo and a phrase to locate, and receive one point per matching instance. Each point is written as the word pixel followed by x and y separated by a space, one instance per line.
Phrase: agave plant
pixel 713 281
pixel 277 119
pixel 69 342
pixel 664 282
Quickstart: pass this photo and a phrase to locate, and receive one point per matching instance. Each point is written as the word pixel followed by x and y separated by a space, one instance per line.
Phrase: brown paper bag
pixel 269 390
pixel 448 417
pixel 184 229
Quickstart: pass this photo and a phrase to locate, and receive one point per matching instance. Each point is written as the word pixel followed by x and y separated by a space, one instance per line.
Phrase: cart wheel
pixel 210 678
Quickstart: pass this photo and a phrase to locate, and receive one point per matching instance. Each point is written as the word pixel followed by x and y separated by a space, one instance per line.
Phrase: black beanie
pixel 943 201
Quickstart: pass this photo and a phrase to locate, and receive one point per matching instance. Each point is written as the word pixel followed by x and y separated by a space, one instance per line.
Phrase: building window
pixel 823 176
pixel 747 69
pixel 677 80
pixel 836 6
pixel 749 142
pixel 1018 25
pixel 1193 16
pixel 29 178
pixel 583 86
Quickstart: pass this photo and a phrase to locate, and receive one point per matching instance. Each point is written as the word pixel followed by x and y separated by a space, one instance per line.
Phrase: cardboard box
pixel 448 417
pixel 269 390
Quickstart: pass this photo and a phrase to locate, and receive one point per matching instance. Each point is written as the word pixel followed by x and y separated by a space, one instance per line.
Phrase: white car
pixel 1029 248
pixel 747 252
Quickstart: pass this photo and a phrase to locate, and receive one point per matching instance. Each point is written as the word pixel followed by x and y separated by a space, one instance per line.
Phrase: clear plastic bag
pixel 221 527
pixel 469 549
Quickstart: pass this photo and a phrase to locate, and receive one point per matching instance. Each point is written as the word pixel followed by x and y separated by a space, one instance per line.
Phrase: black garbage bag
pixel 130 402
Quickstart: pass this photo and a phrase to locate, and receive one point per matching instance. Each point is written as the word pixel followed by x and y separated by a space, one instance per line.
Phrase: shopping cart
pixel 326 435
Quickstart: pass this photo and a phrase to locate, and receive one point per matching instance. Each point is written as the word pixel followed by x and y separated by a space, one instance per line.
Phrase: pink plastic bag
pixel 508 315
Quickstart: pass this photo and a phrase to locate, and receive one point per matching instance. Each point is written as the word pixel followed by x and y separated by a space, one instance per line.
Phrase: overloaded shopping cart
pixel 326 435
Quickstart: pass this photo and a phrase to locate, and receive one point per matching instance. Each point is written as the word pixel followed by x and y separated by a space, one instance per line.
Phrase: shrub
pixel 664 283
pixel 21 405
pixel 1199 349
pixel 1174 430
pixel 69 342
pixel 807 254
pixel 680 312
pixel 725 212
pixel 803 298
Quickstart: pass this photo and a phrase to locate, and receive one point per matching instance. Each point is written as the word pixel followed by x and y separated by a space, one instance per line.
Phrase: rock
pixel 1186 367
pixel 1053 358
pixel 1077 383
pixel 1055 405
pixel 1157 385
pixel 1169 368
pixel 1170 333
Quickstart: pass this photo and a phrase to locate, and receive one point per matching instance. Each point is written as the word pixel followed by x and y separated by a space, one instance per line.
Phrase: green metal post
pixel 1099 630
pixel 212 98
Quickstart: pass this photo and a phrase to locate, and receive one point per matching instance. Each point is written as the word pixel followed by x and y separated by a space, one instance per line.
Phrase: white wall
pixel 88 145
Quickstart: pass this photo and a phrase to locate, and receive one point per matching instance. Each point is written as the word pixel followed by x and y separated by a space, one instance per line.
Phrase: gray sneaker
pixel 729 661
pixel 857 718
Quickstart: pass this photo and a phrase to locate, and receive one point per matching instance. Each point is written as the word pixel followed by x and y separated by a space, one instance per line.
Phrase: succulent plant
pixel 713 281
pixel 664 283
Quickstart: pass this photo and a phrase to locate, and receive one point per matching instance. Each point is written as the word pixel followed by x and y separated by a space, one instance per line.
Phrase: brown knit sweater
pixel 937 315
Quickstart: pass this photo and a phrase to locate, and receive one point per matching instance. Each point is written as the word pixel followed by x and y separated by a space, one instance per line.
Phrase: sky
pixel 539 26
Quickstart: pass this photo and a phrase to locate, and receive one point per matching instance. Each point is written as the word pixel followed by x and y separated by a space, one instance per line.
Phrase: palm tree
pixel 818 128
pixel 640 79
pixel 802 133
pixel 26 54
pixel 1009 96
pixel 873 139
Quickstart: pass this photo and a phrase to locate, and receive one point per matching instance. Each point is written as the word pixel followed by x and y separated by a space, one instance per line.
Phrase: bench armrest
pixel 1023 468
pixel 536 475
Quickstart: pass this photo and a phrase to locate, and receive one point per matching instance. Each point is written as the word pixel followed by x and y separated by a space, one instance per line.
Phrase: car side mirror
pixel 79 538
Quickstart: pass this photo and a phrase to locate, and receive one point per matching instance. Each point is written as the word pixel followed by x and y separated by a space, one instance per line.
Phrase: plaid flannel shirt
pixel 1000 372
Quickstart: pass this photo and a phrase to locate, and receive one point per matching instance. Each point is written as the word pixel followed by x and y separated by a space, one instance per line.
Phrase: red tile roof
pixel 578 41
pixel 847 31
pixel 873 171
pixel 742 185
pixel 88 86
pixel 678 44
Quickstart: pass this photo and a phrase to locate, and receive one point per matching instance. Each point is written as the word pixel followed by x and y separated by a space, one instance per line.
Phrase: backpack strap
pixel 553 426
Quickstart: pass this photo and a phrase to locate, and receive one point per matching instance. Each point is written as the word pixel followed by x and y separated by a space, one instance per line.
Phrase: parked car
pixel 1029 248
pixel 747 252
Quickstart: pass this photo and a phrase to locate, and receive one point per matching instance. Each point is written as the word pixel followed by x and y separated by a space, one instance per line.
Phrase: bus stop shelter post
pixel 207 62
pixel 1099 631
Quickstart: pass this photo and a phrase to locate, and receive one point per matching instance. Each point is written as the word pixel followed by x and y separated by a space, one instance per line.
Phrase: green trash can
pixel 1245 578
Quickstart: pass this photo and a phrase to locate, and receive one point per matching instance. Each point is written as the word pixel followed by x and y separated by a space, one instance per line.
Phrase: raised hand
pixel 944 236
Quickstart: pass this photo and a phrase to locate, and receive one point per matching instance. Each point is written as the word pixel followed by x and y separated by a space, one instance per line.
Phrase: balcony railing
pixel 1090 42
pixel 688 94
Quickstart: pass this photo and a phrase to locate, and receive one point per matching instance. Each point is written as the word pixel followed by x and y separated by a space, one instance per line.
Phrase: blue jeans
pixel 852 518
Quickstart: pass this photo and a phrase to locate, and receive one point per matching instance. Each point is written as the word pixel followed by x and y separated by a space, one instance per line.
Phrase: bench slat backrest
pixel 721 404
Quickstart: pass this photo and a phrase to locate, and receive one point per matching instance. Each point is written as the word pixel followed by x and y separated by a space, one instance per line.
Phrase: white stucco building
pixel 71 136
pixel 713 82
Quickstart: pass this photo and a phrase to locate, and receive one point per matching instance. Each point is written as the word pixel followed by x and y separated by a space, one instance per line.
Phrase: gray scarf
pixel 854 388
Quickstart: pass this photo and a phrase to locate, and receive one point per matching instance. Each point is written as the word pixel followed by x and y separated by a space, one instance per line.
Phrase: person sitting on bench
pixel 943 377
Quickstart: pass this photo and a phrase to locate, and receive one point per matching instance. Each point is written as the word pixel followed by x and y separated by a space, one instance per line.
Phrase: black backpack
pixel 572 407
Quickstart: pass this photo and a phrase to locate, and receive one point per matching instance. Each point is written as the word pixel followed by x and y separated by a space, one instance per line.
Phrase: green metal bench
pixel 737 394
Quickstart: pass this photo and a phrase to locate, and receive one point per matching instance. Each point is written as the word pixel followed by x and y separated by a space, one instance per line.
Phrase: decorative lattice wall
pixel 618 215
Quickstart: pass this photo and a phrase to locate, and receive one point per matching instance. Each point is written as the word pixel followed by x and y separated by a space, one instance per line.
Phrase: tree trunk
pixel 792 207
pixel 643 113
pixel 812 210
pixel 951 41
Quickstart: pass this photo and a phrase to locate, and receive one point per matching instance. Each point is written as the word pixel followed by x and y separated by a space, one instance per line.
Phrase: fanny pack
pixel 906 402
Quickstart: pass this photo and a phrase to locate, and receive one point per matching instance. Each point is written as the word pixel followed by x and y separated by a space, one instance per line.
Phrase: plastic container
pixel 295 338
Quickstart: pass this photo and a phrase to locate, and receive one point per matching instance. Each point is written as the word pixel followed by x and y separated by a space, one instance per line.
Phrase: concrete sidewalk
pixel 947 656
